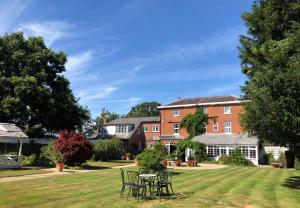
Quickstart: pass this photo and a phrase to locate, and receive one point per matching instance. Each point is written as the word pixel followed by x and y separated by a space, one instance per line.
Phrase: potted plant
pixel 190 161
pixel 128 156
pixel 178 163
pixel 59 161
pixel 165 162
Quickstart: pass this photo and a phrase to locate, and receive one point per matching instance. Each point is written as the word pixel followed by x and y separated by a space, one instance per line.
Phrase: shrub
pixel 29 160
pixel 281 158
pixel 236 158
pixel 224 159
pixel 107 149
pixel 76 149
pixel 46 156
pixel 151 158
pixel 271 158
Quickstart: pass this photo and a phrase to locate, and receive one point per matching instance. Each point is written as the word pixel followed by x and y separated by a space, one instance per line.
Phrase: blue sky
pixel 121 53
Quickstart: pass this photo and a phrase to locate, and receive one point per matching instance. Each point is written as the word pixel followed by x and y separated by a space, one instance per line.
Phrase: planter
pixel 59 167
pixel 178 163
pixel 165 163
pixel 190 163
pixel 136 162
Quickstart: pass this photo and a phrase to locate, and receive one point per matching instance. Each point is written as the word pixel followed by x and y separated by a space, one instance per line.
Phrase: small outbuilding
pixel 10 133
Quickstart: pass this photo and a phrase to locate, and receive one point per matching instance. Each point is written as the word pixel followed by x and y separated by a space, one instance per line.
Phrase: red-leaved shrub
pixel 75 148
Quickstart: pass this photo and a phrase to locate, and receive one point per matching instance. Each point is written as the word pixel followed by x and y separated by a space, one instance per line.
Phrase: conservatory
pixel 224 144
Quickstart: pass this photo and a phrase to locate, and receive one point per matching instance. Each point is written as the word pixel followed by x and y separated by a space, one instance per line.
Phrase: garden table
pixel 150 178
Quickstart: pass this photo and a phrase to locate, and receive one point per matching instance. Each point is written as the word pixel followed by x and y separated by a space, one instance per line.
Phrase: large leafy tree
pixel 270 56
pixel 33 92
pixel 106 116
pixel 145 109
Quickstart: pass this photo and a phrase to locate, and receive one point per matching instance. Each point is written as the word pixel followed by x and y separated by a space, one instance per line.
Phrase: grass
pixel 109 164
pixel 227 187
pixel 20 172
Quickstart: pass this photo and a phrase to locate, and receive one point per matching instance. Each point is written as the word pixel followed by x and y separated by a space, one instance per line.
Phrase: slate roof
pixel 226 139
pixel 11 131
pixel 120 121
pixel 199 100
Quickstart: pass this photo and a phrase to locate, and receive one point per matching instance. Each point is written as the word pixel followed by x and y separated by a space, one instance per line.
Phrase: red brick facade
pixel 218 118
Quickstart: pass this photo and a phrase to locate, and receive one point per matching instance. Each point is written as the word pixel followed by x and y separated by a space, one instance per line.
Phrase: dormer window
pixel 176 112
pixel 227 110
pixel 121 128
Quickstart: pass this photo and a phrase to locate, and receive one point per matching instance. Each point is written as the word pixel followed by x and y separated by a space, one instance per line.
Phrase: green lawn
pixel 20 172
pixel 228 187
pixel 109 164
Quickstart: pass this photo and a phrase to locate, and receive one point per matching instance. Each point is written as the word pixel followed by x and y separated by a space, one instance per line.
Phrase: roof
pixel 11 131
pixel 226 139
pixel 120 121
pixel 213 100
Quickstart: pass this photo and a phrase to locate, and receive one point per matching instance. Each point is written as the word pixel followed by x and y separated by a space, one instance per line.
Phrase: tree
pixel 145 109
pixel 106 116
pixel 74 147
pixel 195 123
pixel 270 57
pixel 33 92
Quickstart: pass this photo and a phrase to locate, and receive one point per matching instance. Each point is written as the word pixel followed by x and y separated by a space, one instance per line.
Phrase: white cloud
pixel 49 30
pixel 79 61
pixel 10 12
pixel 96 93
pixel 227 40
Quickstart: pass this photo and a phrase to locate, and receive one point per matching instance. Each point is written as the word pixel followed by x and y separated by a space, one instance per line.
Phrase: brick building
pixel 223 130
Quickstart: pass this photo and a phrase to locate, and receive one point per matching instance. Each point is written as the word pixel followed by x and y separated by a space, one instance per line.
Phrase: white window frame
pixel 206 127
pixel 227 109
pixel 176 129
pixel 176 112
pixel 205 110
pixel 215 127
pixel 155 128
pixel 227 129
pixel 145 128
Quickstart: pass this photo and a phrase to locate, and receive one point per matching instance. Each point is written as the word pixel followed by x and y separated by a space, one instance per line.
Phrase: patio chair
pixel 124 183
pixel 170 178
pixel 135 184
pixel 162 182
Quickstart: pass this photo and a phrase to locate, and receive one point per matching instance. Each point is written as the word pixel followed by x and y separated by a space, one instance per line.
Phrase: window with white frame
pixel 244 151
pixel 227 127
pixel 145 128
pixel 175 112
pixel 176 128
pixel 121 128
pixel 155 128
pixel 205 128
pixel 230 150
pixel 252 152
pixel 215 127
pixel 222 150
pixel 213 151
pixel 227 110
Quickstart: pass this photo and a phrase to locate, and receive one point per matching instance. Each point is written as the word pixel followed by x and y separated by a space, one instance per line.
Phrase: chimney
pixel 179 98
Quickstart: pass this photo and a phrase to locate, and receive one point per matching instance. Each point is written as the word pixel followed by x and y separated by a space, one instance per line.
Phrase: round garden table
pixel 148 178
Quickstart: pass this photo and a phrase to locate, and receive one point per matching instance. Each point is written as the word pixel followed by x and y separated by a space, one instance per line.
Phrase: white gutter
pixel 202 104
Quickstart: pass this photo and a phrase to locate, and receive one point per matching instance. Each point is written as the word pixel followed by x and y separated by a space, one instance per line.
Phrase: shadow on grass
pixel 292 182
pixel 90 167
